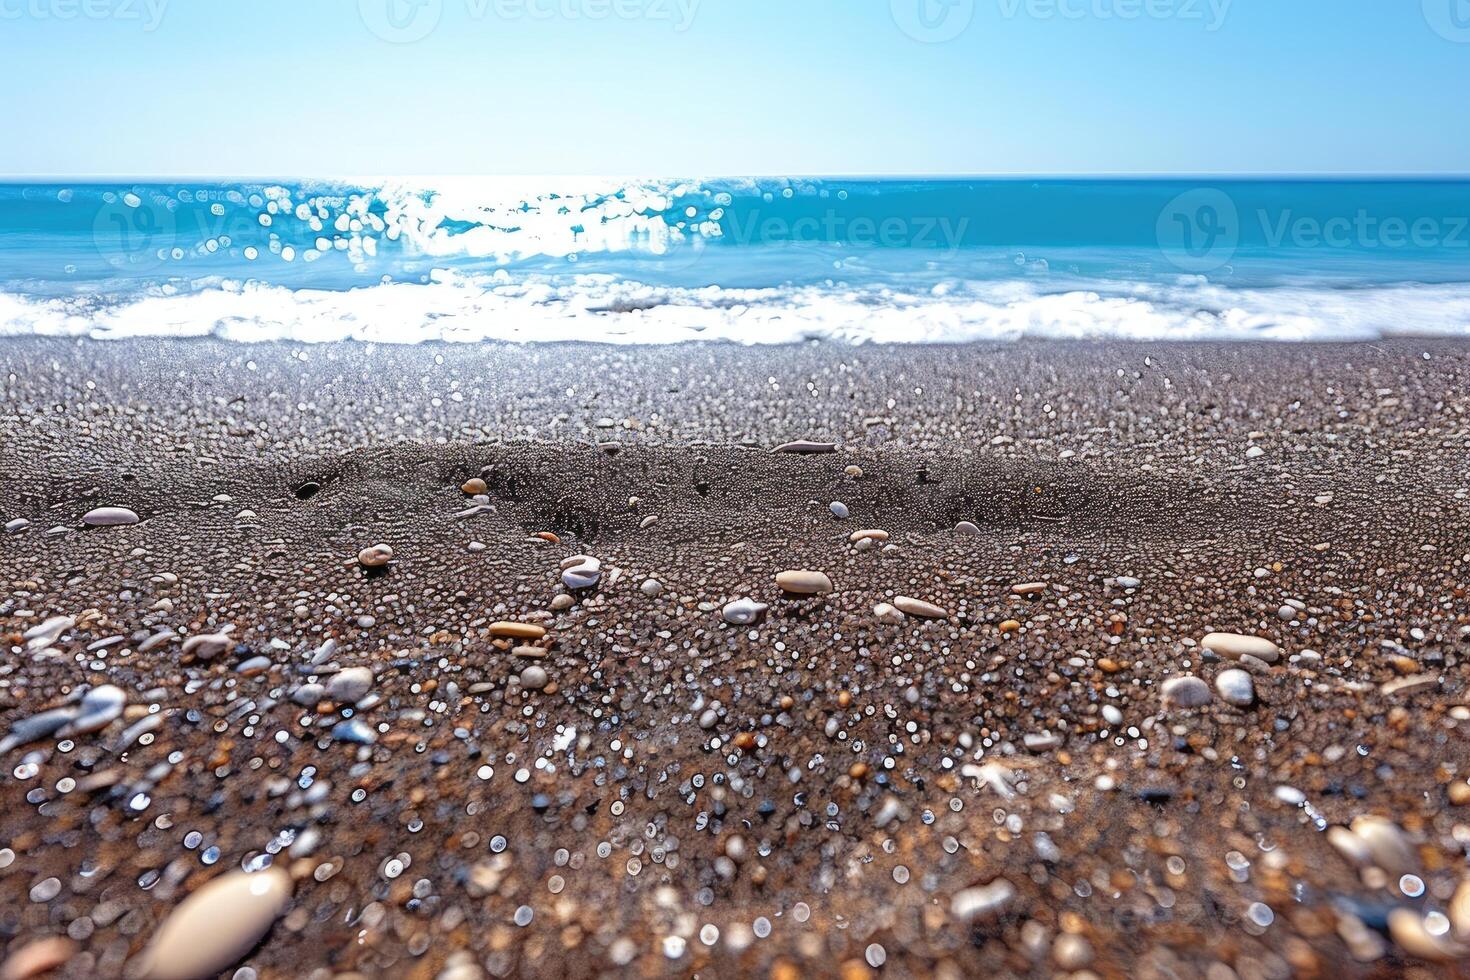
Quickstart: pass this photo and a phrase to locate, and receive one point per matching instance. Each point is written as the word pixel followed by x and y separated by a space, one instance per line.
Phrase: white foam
pixel 601 308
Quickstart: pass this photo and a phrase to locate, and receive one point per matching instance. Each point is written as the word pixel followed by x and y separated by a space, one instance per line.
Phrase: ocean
pixel 754 261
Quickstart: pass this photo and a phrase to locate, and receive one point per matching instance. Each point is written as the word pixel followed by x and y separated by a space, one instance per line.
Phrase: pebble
pixel 561 602
pixel 1041 741
pixel 1233 646
pixel 886 612
pixel 1386 843
pixel 802 582
pixel 1071 951
pixel 99 707
pixel 534 678
pixel 806 447
pixel 966 527
pixel 1236 687
pixel 581 572
pixel 353 730
pixel 1028 588
pixel 38 957
pixel 109 517
pixel 651 587
pixel 982 901
pixel 517 631
pixel 839 510
pixel 46 633
pixel 350 685
pixel 870 534
pixel 1127 582
pixel 1407 928
pixel 308 695
pixel 217 925
pixel 375 557
pixel 474 487
pixel 919 608
pixel 1186 692
pixel 207 646
pixel 17 525
pixel 743 612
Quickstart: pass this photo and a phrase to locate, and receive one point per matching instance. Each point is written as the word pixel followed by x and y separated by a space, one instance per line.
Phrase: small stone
pixel 561 602
pixel 350 685
pixel 805 447
pixel 474 487
pixel 15 527
pixel 1186 692
pixel 581 572
pixel 207 646
pixel 100 707
pixel 839 510
pixel 375 557
pixel 743 612
pixel 534 678
pixel 870 534
pixel 982 901
pixel 308 695
pixel 888 613
pixel 353 730
pixel 1041 741
pixel 802 582
pixel 1236 687
pixel 1384 840
pixel 1233 646
pixel 1412 684
pixel 109 517
pixel 966 527
pixel 1028 588
pixel 1127 582
pixel 530 653
pixel 1407 928
pixel 517 631
pixel 1071 951
pixel 919 608
pixel 651 587
pixel 855 472
pixel 217 925
pixel 36 958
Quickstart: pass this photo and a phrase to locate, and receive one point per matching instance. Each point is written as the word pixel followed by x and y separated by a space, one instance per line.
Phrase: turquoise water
pixel 751 260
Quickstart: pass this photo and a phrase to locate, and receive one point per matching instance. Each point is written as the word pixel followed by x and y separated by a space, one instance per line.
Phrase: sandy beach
pixel 567 723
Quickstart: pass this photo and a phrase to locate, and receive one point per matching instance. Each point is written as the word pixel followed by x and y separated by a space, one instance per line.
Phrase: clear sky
pixel 732 87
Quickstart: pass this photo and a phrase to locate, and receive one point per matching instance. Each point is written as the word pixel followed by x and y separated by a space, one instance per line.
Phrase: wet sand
pixel 649 789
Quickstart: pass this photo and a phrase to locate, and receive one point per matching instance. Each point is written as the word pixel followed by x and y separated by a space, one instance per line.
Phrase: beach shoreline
pixel 1008 779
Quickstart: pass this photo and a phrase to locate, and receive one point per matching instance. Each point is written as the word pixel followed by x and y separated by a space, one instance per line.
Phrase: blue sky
pixel 701 87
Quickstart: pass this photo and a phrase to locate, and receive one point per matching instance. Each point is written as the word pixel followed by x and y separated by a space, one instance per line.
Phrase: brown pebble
pixel 1010 626
pixel 745 740
pixel 517 631
pixel 474 487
